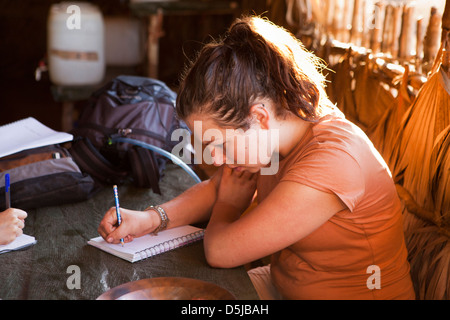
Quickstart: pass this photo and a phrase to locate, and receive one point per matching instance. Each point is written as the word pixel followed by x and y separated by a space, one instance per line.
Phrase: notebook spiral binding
pixel 171 244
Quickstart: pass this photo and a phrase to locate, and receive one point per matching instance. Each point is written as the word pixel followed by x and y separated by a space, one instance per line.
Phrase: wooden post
pixel 388 25
pixel 405 45
pixel 155 31
pixel 355 32
pixel 337 20
pixel 377 27
pixel 446 16
pixel 394 41
pixel 445 37
pixel 419 45
pixel 346 23
pixel 431 39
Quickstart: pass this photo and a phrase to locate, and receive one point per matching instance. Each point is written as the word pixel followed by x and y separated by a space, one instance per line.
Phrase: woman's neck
pixel 291 131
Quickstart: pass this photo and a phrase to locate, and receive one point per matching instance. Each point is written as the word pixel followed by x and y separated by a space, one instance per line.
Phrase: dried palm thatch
pixel 340 88
pixel 361 87
pixel 371 97
pixel 384 132
pixel 421 161
pixel 440 183
pixel 428 250
pixel 414 154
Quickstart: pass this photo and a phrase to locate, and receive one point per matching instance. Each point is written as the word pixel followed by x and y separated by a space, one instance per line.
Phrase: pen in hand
pixel 7 192
pixel 116 200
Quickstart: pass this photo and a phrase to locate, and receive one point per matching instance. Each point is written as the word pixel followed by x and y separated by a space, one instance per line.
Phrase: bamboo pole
pixel 446 16
pixel 337 20
pixel 406 32
pixel 432 35
pixel 445 36
pixel 367 26
pixel 377 27
pixel 394 41
pixel 346 24
pixel 419 44
pixel 355 30
pixel 387 28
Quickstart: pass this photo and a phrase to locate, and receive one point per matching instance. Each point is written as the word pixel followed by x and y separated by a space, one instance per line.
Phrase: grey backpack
pixel 134 107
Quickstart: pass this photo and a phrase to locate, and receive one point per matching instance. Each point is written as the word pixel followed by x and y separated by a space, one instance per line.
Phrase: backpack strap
pixel 144 168
pixel 91 161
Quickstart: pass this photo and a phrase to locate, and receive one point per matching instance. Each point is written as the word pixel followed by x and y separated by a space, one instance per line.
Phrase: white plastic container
pixel 75 44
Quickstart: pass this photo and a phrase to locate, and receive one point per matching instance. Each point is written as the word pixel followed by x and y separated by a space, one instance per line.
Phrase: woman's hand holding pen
pixel 134 224
pixel 12 222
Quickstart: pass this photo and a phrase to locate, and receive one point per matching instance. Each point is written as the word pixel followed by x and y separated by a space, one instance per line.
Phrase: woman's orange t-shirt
pixel 360 252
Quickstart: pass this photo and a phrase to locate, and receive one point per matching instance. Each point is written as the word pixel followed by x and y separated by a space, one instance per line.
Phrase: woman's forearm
pixel 192 206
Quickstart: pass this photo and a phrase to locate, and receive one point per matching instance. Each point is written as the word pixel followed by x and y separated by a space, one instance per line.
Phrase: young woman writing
pixel 328 214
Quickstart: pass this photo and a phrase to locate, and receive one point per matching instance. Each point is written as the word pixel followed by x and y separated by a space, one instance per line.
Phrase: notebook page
pixel 26 134
pixel 20 242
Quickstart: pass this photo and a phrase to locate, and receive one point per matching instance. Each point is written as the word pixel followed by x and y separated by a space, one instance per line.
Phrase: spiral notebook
pixel 151 245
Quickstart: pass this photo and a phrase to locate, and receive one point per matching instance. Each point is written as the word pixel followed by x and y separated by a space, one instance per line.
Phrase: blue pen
pixel 7 191
pixel 116 200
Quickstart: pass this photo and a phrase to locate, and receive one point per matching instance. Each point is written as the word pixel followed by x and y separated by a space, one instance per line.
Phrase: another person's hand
pixel 12 222
pixel 134 224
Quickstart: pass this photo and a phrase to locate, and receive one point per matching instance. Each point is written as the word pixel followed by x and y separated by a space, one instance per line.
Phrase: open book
pixel 27 134
pixel 20 242
pixel 151 245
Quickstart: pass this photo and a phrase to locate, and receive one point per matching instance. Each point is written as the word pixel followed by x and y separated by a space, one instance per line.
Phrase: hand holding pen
pixel 116 200
pixel 134 224
pixel 12 220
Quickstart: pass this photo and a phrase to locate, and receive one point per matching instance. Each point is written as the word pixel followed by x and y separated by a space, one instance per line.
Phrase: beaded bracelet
pixel 163 216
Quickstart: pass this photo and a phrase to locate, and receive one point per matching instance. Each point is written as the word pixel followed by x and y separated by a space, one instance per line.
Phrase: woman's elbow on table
pixel 216 255
pixel 217 261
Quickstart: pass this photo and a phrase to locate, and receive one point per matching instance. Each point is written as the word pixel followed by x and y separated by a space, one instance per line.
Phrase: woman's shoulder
pixel 334 130
pixel 336 122
pixel 335 142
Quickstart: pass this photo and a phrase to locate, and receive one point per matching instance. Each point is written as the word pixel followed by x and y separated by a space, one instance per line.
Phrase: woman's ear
pixel 261 115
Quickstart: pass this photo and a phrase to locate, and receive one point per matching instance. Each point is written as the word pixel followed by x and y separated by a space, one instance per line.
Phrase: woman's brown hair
pixel 256 59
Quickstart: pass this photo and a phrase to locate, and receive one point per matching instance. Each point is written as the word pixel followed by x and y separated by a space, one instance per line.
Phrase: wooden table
pixel 44 270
